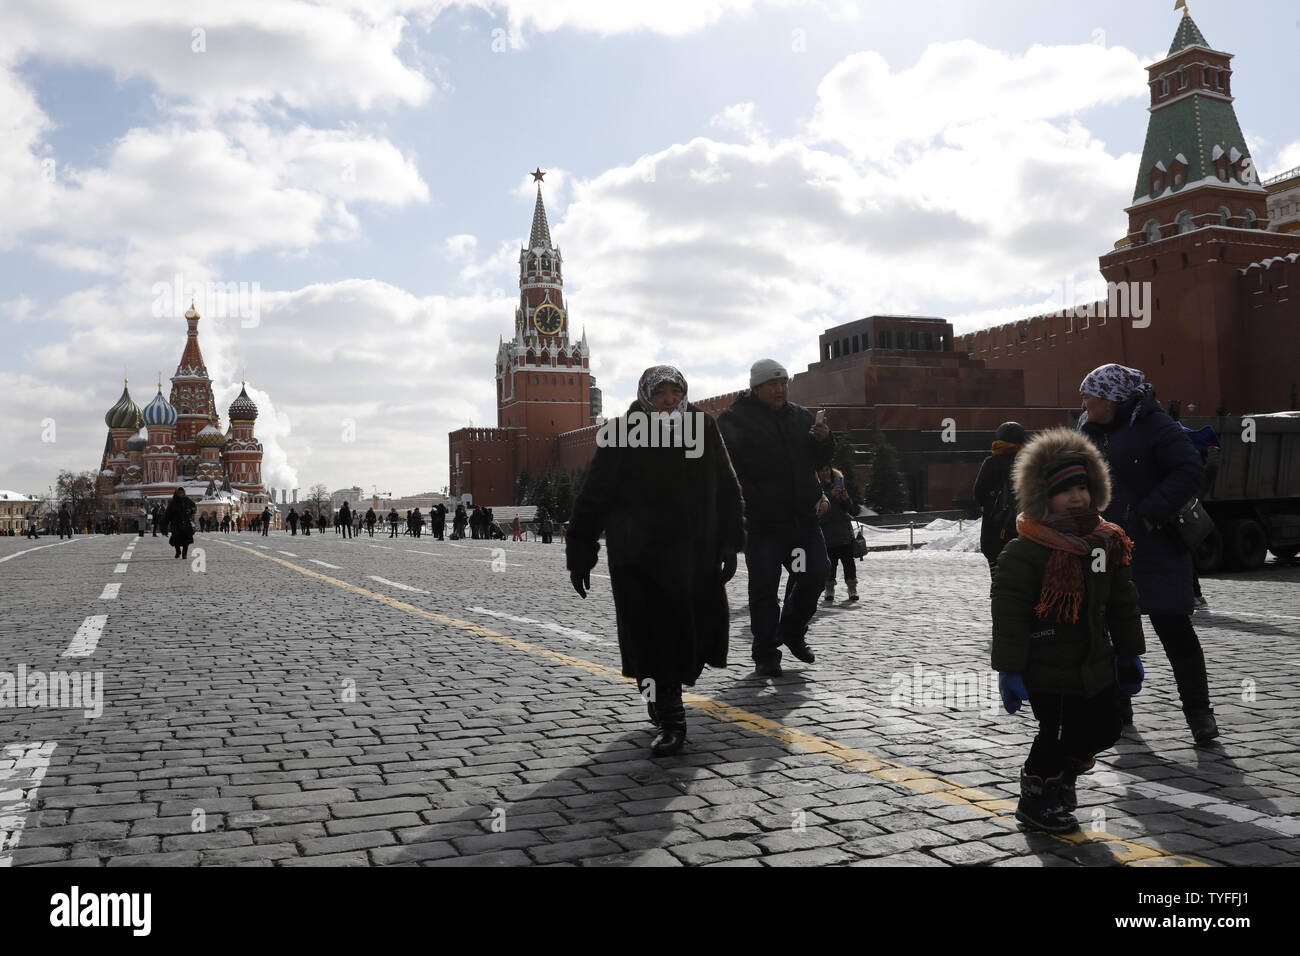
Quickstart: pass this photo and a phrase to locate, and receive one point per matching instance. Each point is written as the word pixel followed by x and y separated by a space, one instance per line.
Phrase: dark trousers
pixel 392 531
pixel 266 528
pixel 1071 728
pixel 1186 658
pixel 843 554
pixel 347 529
pixel 766 553
pixel 370 529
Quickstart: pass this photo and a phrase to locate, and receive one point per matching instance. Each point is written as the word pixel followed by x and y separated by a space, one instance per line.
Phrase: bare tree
pixel 318 497
pixel 80 492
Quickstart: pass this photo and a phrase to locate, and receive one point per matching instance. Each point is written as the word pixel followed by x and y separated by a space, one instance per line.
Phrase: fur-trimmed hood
pixel 1044 450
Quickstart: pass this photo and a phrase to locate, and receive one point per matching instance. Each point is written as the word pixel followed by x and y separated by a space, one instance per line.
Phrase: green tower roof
pixel 1187 34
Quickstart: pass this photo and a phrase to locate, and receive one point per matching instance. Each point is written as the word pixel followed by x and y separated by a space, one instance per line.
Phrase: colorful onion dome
pixel 210 437
pixel 191 312
pixel 125 413
pixel 242 408
pixel 159 411
pixel 139 440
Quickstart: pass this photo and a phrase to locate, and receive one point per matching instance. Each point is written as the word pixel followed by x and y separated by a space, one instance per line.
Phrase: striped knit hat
pixel 1065 475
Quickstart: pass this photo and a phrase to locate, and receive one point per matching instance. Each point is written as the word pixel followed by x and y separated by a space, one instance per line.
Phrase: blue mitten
pixel 1129 673
pixel 1013 691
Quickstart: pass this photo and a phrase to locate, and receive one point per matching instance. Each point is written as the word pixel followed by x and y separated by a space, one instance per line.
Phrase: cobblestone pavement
pixel 320 701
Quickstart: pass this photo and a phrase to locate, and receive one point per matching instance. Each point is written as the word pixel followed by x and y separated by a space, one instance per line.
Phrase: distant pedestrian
pixel 306 522
pixel 292 521
pixel 1066 623
pixel 266 520
pixel 180 519
pixel 515 533
pixel 1156 471
pixel 547 526
pixel 837 528
pixel 370 521
pixel 65 522
pixel 345 520
pixel 393 519
pixel 459 520
pixel 777 447
pixel 995 494
pixel 668 577
pixel 417 523
pixel 438 520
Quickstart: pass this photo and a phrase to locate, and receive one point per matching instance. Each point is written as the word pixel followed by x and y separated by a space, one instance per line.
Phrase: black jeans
pixel 766 553
pixel 842 554
pixel 1186 658
pixel 1070 726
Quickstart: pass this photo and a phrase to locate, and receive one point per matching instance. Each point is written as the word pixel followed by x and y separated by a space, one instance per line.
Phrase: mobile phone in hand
pixel 821 417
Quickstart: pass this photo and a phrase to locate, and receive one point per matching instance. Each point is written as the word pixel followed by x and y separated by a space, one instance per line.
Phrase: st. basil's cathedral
pixel 178 442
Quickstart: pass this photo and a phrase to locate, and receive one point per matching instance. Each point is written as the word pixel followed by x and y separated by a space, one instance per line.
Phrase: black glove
pixel 581 582
pixel 728 566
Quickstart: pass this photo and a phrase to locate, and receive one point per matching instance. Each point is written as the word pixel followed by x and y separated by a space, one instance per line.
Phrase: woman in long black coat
pixel 1156 471
pixel 673 523
pixel 179 518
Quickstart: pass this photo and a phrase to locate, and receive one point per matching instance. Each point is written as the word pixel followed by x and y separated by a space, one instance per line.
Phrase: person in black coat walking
pixel 995 494
pixel 292 520
pixel 438 520
pixel 345 520
pixel 1156 471
pixel 306 521
pixel 777 447
pixel 180 519
pixel 673 524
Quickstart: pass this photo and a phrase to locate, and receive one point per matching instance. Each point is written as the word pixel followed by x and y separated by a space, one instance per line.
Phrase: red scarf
pixel 1005 448
pixel 1068 536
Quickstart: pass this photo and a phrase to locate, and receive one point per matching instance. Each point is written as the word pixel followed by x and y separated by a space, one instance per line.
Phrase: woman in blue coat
pixel 1156 470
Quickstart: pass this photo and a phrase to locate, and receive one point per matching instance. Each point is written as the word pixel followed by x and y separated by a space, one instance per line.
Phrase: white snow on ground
pixel 967 539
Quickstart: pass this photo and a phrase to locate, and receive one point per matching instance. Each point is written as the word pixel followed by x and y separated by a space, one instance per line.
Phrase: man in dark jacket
pixel 777 448
pixel 292 520
pixel 438 520
pixel 345 520
pixel 266 521
pixel 1156 471
pixel 994 494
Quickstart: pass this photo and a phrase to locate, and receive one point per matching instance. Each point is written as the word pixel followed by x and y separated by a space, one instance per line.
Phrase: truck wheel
pixel 1247 546
pixel 1208 558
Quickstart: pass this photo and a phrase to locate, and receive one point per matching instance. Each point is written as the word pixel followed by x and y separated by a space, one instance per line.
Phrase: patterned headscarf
pixel 652 378
pixel 1113 382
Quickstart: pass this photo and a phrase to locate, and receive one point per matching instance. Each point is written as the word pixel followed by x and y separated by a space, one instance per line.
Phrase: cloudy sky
pixel 727 178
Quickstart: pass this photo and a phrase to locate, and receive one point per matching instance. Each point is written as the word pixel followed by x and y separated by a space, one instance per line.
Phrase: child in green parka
pixel 1067 630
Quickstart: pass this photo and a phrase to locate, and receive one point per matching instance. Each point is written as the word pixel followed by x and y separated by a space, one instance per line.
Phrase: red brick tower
pixel 543 379
pixel 192 398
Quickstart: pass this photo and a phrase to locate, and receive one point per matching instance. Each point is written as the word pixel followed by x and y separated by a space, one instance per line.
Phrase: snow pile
pixel 967 539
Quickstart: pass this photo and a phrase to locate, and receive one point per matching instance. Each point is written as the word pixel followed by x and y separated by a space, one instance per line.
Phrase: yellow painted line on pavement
pixel 1127 852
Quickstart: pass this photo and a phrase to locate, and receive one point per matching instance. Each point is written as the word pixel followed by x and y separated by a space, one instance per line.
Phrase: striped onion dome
pixel 210 437
pixel 125 414
pixel 242 408
pixel 160 411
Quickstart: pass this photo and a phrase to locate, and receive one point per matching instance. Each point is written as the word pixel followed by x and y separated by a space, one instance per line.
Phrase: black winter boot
pixel 1073 768
pixel 1194 691
pixel 1124 703
pixel 672 725
pixel 1040 805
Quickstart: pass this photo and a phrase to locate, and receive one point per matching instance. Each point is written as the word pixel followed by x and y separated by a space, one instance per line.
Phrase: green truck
pixel 1252 490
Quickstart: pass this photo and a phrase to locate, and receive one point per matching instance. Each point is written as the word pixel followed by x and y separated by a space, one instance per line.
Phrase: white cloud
pixel 741 118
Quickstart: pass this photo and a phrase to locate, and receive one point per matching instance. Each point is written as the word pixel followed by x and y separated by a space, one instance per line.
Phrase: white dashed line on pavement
pixel 126 556
pixel 325 564
pixel 395 584
pixel 289 553
pixel 18 554
pixel 22 768
pixel 87 637
pixel 379 546
pixel 120 569
pixel 264 547
pixel 577 635
pixel 110 592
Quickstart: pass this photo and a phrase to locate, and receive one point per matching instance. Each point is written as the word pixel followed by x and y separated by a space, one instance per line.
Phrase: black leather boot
pixel 672 723
pixel 1040 805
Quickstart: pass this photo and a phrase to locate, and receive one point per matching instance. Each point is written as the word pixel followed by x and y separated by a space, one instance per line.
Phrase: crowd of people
pixel 1076 530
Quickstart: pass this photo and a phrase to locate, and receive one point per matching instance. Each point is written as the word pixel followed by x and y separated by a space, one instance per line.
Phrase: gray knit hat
pixel 764 370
